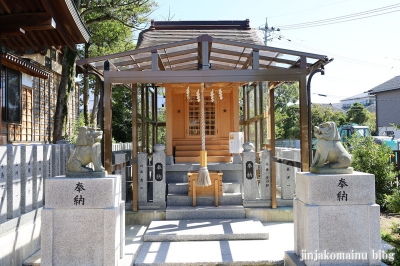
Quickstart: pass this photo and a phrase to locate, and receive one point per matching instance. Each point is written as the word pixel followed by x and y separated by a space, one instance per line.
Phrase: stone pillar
pixel 83 221
pixel 142 179
pixel 3 184
pixel 47 161
pixel 13 181
pixel 265 184
pixel 287 176
pixel 250 187
pixel 121 157
pixel 27 162
pixel 278 154
pixel 336 220
pixel 56 160
pixel 159 176
pixel 37 179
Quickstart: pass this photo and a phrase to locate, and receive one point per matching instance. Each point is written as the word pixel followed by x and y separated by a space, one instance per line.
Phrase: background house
pixel 387 98
pixel 364 98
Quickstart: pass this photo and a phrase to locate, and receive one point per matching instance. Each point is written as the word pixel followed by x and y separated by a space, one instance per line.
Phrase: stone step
pixel 205 212
pixel 205 230
pixel 182 188
pixel 232 252
pixel 196 159
pixel 196 152
pixel 185 200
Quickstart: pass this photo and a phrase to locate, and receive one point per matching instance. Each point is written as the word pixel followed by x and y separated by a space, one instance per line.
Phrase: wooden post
pixel 216 184
pixel 107 126
pixel 304 131
pixel 271 129
pixel 1 93
pixel 194 192
pixel 134 166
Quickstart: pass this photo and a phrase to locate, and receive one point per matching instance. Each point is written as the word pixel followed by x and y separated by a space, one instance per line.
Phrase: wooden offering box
pixel 214 190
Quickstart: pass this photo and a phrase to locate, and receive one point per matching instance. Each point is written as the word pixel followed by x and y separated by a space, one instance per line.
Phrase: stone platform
pixel 231 242
pixel 205 230
pixel 83 221
pixel 336 220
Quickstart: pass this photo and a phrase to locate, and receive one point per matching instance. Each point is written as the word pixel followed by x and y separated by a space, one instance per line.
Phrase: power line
pixel 305 10
pixel 345 18
pixel 295 43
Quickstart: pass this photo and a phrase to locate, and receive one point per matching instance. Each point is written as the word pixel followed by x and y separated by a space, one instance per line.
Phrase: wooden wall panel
pixel 225 117
pixel 178 115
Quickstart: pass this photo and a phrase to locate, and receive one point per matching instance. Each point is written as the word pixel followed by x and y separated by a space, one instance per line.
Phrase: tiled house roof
pixel 391 84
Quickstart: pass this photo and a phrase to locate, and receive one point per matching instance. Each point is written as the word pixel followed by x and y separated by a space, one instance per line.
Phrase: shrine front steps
pixel 205 230
pixel 182 188
pixel 209 242
pixel 205 212
pixel 210 159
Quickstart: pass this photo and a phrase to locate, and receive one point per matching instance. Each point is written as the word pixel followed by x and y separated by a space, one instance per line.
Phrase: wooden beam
pixel 160 63
pixel 248 60
pixel 67 38
pixel 135 52
pixel 27 21
pixel 11 31
pixel 179 53
pixel 269 48
pixel 190 76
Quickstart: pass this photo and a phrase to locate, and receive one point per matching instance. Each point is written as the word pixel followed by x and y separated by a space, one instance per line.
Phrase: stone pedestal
pixel 83 221
pixel 336 220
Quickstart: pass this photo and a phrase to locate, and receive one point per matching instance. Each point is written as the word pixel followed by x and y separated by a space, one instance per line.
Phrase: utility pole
pixel 267 32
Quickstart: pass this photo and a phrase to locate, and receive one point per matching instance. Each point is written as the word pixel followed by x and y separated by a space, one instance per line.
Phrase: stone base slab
pixel 82 237
pixel 348 230
pixel 83 222
pixel 83 193
pixel 343 189
pixel 327 170
pixel 205 230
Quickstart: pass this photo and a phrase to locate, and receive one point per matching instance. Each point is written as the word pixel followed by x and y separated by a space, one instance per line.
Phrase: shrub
pixel 393 201
pixel 372 158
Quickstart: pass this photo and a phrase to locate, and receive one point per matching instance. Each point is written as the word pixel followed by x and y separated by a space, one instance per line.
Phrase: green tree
pixel 101 17
pixel 372 158
pixel 287 115
pixel 357 114
pixel 122 114
pixel 321 114
pixel 371 123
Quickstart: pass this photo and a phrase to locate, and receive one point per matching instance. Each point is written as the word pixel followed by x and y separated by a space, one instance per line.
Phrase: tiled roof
pixel 371 108
pixel 330 106
pixel 184 30
pixel 391 84
pixel 231 45
pixel 358 96
pixel 23 65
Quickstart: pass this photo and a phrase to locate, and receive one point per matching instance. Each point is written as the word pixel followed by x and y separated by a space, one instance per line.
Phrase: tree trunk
pixel 93 117
pixel 67 85
pixel 86 90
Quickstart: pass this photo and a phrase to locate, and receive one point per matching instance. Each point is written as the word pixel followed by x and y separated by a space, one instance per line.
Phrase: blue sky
pixel 366 51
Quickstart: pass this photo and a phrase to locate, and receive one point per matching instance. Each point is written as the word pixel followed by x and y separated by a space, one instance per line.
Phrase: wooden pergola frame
pixel 153 65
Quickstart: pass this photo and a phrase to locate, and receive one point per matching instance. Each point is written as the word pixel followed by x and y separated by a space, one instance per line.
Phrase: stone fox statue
pixel 87 150
pixel 330 150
